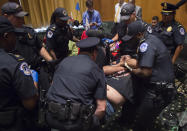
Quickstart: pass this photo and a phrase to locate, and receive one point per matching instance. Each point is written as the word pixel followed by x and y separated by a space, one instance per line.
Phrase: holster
pixel 58 111
pixel 7 118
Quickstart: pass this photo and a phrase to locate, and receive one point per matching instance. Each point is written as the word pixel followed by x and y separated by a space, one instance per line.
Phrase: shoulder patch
pixel 49 34
pixel 143 47
pixel 182 32
pixel 149 29
pixel 25 68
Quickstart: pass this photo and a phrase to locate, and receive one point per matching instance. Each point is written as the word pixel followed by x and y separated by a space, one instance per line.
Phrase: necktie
pixel 115 20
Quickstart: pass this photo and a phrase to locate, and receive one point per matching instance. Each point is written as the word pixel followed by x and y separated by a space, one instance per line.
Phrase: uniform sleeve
pixel 38 43
pixel 23 82
pixel 70 34
pixel 50 39
pixel 100 92
pixel 33 39
pixel 146 55
pixel 179 35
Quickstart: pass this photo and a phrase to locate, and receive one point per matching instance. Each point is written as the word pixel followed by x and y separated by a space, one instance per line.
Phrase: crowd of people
pixel 80 90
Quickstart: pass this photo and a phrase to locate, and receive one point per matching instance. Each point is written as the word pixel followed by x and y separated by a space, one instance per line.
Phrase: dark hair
pixel 89 3
pixel 155 18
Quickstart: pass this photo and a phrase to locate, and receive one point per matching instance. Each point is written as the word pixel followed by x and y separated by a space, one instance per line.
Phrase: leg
pixel 114 96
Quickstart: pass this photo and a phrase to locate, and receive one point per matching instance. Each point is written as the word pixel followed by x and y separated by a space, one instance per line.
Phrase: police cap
pixel 133 29
pixel 168 8
pixel 88 42
pixel 5 25
pixel 62 14
pixel 13 8
pixel 126 11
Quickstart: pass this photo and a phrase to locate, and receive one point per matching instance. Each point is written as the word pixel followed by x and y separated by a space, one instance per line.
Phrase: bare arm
pixel 45 54
pixel 116 37
pixel 112 69
pixel 53 54
pixel 177 52
pixel 75 39
pixel 101 107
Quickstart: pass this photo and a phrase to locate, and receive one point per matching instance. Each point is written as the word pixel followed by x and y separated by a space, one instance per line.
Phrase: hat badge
pixel 169 29
pixel 165 5
pixel 64 12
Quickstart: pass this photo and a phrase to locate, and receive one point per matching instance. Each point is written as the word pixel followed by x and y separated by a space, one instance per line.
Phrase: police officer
pixel 155 68
pixel 17 91
pixel 58 34
pixel 77 96
pixel 128 15
pixel 171 32
pixel 28 44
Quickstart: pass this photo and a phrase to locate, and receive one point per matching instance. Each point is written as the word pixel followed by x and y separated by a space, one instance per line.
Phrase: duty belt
pixel 161 86
pixel 70 111
pixel 164 84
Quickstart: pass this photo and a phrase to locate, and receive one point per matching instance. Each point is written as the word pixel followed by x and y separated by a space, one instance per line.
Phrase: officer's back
pixel 16 84
pixel 79 88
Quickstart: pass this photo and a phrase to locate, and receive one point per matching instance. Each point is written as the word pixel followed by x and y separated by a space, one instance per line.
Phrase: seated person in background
pixel 91 17
pixel 154 21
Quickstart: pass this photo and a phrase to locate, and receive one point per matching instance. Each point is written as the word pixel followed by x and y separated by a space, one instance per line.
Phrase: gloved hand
pixel 34 75
pixel 107 40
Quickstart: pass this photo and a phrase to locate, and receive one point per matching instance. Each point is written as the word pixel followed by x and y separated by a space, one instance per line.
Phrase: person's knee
pixel 114 96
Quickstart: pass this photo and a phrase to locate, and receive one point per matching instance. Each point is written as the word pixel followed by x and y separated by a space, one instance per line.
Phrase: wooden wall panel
pixel 149 8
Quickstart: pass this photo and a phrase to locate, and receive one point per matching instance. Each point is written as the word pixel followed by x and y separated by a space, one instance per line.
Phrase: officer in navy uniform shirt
pixel 58 34
pixel 170 31
pixel 78 80
pixel 16 84
pixel 28 44
pixel 155 68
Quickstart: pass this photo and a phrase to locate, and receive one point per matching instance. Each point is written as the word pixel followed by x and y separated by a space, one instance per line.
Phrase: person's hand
pixel 127 57
pixel 93 24
pixel 132 63
pixel 122 60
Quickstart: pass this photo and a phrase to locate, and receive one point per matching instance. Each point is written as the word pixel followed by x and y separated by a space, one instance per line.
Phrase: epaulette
pixel 17 57
pixel 178 24
pixel 142 40
pixel 52 27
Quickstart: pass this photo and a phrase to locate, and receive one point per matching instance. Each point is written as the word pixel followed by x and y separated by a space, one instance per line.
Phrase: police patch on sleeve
pixel 143 47
pixel 49 34
pixel 182 32
pixel 149 29
pixel 25 69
